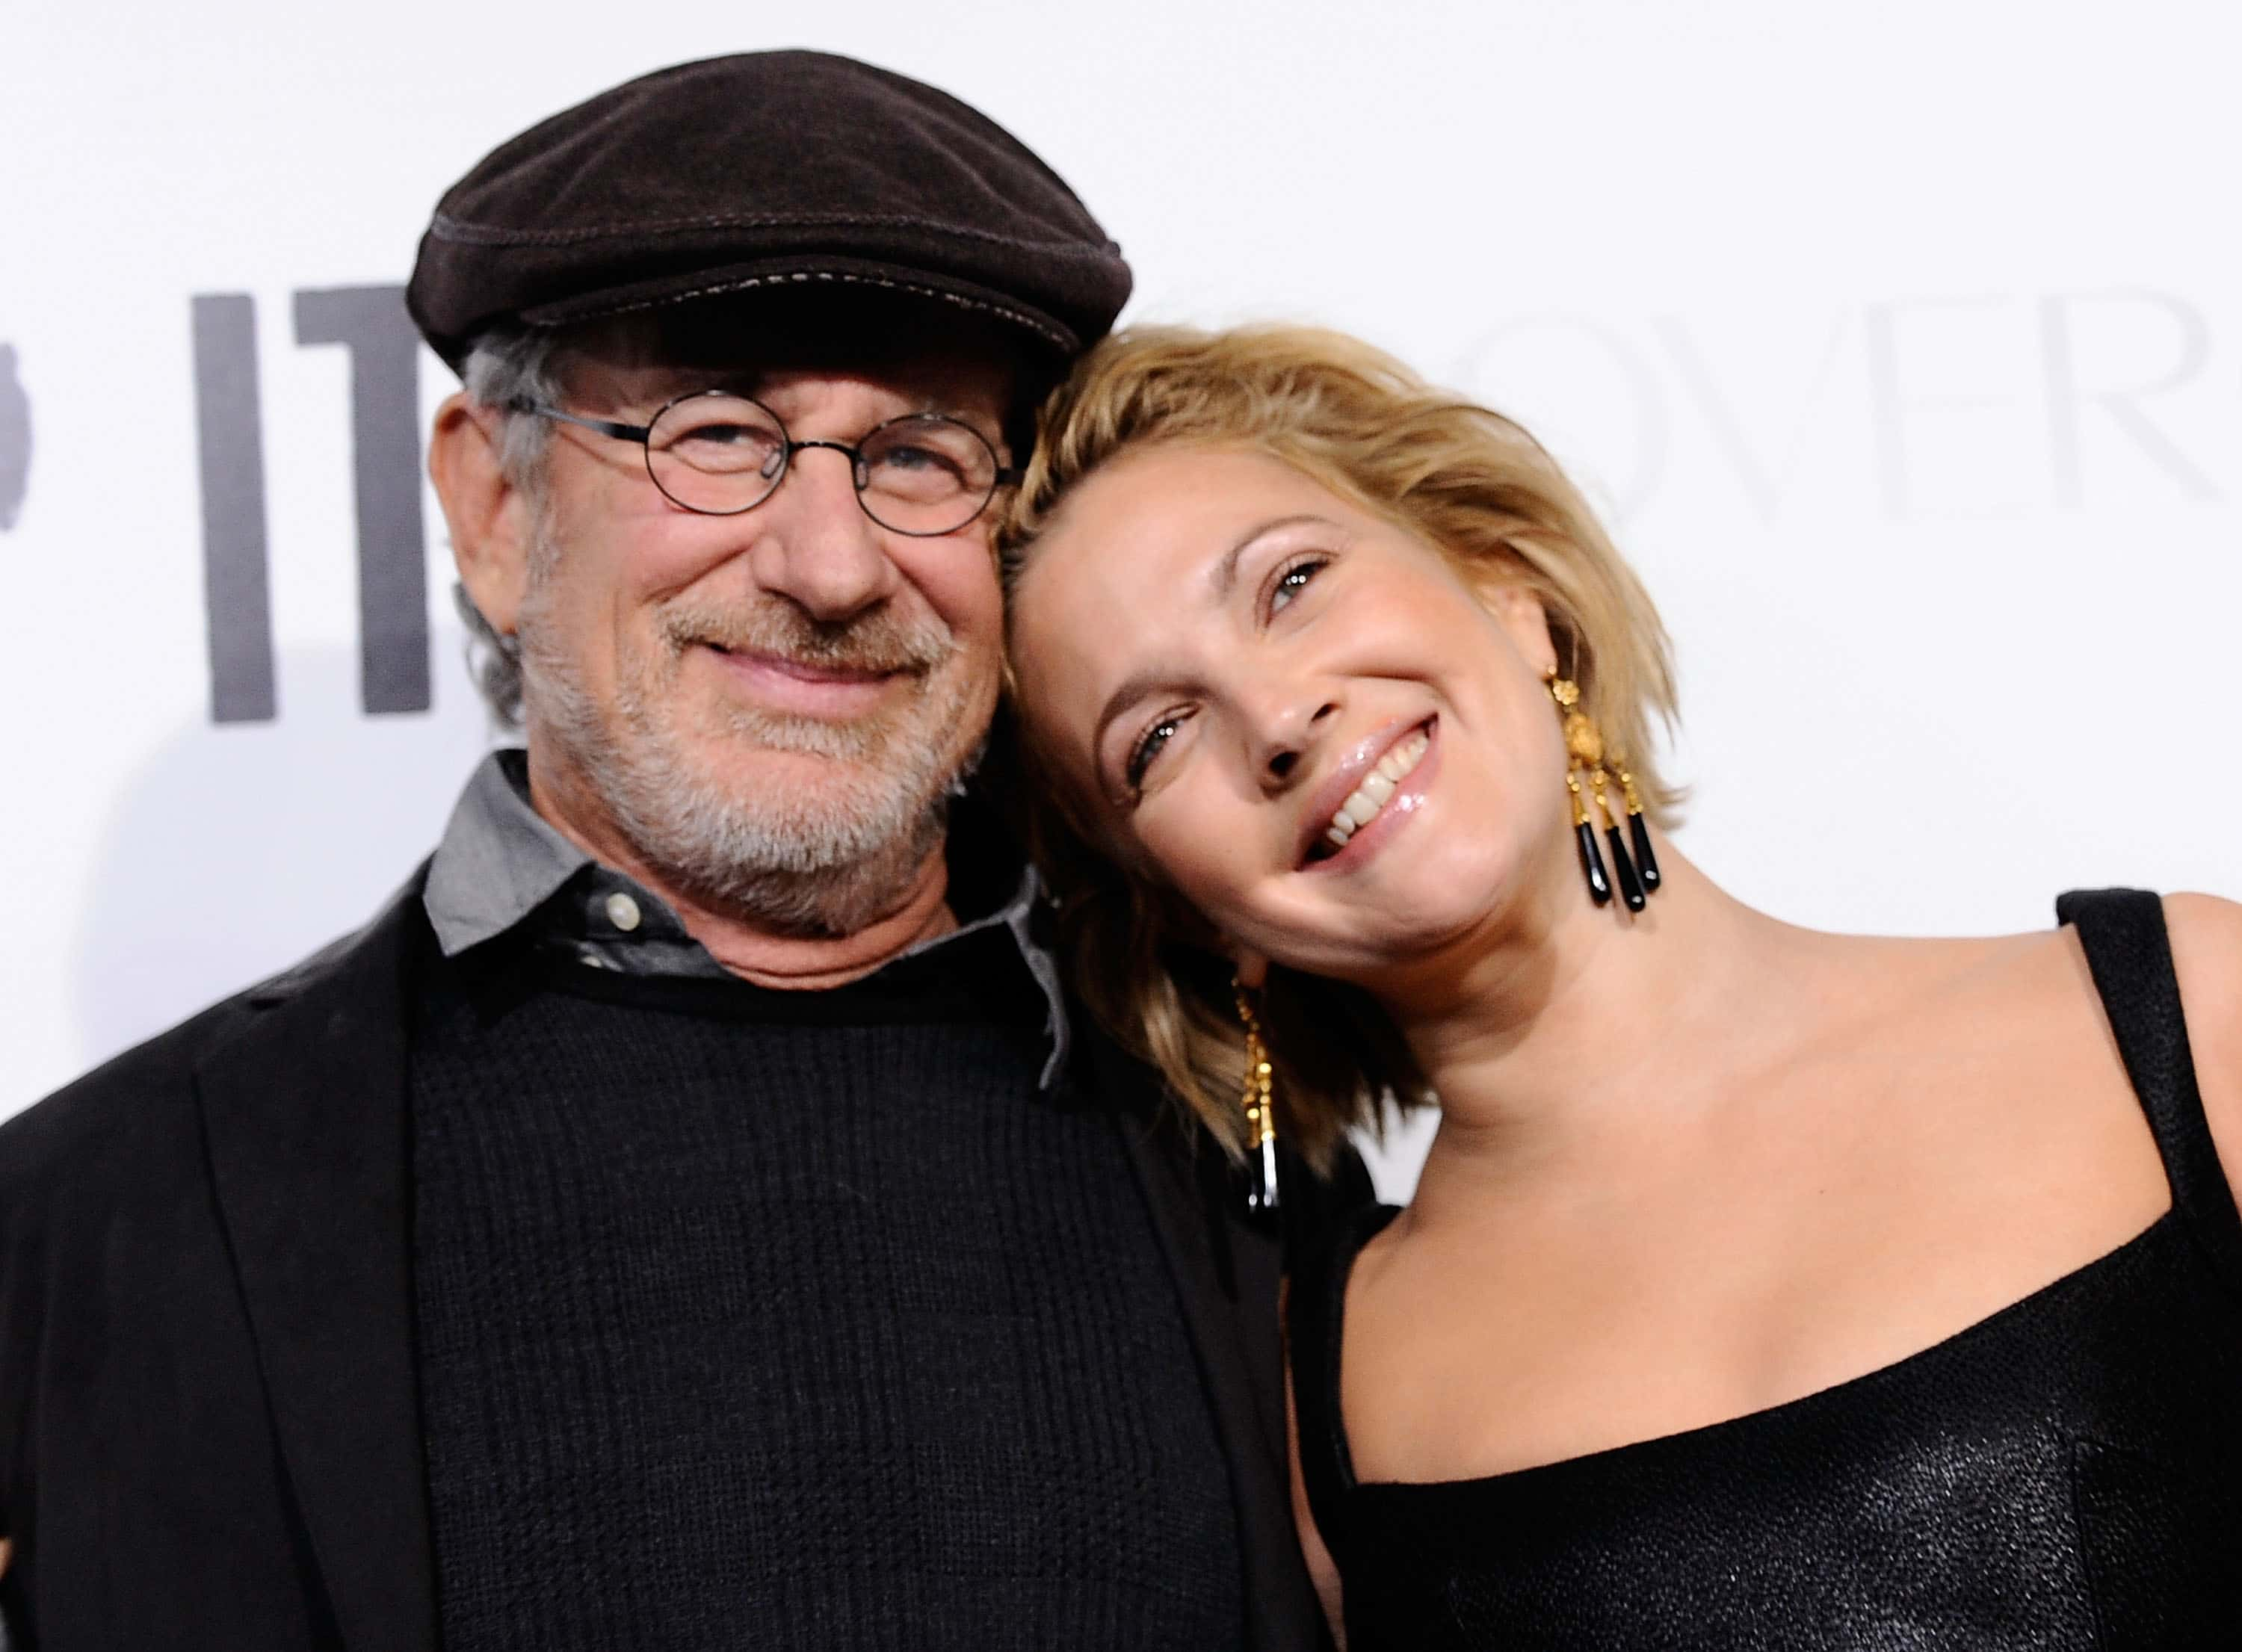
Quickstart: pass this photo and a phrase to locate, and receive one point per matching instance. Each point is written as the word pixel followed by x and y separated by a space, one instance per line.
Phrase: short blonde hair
pixel 1466 480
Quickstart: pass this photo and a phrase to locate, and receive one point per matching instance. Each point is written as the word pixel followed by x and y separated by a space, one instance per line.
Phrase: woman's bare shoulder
pixel 2206 933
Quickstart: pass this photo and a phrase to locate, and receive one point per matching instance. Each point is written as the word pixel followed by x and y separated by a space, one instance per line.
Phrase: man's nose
pixel 815 545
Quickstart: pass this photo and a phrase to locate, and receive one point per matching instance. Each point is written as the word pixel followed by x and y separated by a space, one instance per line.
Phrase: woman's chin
pixel 1400 945
pixel 1398 918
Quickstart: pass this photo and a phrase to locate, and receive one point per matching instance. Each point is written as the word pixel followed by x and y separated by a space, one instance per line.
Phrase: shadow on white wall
pixel 237 849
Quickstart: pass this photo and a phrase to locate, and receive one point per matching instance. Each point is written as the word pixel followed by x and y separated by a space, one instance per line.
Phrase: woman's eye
pixel 1294 580
pixel 1148 746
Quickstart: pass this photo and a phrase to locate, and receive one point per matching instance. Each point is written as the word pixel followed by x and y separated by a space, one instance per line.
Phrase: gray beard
pixel 825 865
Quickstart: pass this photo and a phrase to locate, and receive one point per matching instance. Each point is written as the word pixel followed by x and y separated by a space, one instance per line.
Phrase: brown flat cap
pixel 775 170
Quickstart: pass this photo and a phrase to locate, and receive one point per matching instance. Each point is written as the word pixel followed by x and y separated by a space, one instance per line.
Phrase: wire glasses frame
pixel 716 452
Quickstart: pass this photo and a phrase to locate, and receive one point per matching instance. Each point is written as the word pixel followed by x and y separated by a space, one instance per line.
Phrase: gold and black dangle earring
pixel 1584 755
pixel 1258 1100
pixel 1638 828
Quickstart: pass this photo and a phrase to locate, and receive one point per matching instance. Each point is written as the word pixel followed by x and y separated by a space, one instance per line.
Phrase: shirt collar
pixel 499 864
pixel 498 860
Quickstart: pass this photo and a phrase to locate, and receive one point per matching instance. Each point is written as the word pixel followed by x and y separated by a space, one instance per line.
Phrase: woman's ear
pixel 1517 608
pixel 489 517
pixel 1253 967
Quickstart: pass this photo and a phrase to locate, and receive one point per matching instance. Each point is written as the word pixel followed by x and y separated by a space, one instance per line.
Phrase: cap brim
pixel 802 274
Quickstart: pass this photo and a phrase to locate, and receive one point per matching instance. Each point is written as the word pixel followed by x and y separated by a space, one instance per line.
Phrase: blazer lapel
pixel 1227 1275
pixel 307 1123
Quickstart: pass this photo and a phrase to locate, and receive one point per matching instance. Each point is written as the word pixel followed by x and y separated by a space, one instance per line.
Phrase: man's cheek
pixel 632 645
pixel 964 593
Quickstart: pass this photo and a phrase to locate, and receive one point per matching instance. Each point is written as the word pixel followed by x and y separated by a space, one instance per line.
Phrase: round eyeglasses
pixel 719 454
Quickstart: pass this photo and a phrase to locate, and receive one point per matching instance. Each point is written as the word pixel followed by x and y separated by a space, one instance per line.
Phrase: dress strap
pixel 2127 949
pixel 1315 1315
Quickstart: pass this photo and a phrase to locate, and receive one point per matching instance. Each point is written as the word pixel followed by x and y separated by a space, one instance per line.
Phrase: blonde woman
pixel 1763 1288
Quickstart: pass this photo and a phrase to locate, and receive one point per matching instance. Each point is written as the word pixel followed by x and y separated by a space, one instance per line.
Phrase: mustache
pixel 876 641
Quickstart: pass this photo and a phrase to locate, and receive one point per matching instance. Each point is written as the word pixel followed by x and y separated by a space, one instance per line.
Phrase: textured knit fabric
pixel 795 1319
pixel 2065 1473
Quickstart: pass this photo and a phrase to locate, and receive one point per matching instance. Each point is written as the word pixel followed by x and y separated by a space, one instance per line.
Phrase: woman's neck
pixel 1575 1027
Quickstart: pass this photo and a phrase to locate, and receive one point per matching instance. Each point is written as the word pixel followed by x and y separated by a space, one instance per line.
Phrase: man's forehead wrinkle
pixel 924 364
pixel 967 391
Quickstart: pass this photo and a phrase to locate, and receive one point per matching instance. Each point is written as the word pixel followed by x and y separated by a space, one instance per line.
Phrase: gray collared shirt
pixel 502 867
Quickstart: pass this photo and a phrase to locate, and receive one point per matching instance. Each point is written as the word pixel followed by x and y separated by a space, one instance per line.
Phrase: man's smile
pixel 803 688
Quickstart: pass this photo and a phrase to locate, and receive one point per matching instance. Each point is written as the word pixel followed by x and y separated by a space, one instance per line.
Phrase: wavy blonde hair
pixel 1462 478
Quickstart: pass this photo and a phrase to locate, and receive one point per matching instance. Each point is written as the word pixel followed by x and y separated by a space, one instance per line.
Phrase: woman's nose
pixel 1291 732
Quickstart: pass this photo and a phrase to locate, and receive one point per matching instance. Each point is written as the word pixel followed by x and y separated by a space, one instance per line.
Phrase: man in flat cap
pixel 689 1215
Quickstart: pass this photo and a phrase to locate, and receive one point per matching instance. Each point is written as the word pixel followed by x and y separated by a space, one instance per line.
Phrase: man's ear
pixel 489 517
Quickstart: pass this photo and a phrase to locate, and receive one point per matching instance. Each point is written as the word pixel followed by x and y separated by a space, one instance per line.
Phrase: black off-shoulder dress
pixel 2065 1473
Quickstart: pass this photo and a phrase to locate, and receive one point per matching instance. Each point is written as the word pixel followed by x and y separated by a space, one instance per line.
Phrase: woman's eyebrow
pixel 1136 687
pixel 1224 576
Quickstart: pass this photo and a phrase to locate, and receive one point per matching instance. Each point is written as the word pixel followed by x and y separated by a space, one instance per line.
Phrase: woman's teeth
pixel 1378 787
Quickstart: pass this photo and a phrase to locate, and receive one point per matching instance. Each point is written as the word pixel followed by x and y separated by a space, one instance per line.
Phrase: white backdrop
pixel 1901 345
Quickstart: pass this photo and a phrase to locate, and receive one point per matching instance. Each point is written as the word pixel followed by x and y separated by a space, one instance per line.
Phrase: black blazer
pixel 209 1428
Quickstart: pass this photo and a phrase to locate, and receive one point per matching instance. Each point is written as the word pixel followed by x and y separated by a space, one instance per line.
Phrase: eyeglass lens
pixel 924 473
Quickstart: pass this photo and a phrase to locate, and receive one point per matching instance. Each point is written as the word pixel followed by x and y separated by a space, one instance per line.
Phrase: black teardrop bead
pixel 1630 887
pixel 1592 865
pixel 1646 862
pixel 1261 1194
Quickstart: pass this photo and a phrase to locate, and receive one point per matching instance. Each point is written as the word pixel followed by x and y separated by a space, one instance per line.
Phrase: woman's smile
pixel 1383 792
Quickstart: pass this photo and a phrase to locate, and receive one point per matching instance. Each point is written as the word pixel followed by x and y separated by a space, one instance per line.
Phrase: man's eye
pixel 1294 580
pixel 725 447
pixel 723 436
pixel 914 472
pixel 916 458
pixel 1148 746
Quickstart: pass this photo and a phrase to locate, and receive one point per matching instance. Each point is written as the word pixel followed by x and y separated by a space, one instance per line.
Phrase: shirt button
pixel 622 912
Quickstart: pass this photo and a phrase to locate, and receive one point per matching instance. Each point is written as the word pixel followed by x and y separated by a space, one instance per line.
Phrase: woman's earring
pixel 1259 1103
pixel 1638 829
pixel 1585 754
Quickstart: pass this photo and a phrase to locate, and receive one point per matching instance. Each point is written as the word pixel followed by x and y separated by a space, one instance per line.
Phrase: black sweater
pixel 764 1318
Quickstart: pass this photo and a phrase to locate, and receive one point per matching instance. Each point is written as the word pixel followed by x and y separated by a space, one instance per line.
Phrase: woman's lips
pixel 1407 798
pixel 1377 787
